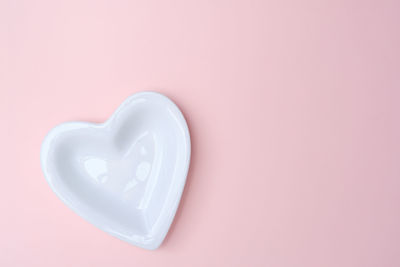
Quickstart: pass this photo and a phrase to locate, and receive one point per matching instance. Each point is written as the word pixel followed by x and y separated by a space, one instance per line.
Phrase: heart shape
pixel 126 175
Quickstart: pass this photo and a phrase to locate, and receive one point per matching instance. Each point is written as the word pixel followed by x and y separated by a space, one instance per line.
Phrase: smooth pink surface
pixel 293 108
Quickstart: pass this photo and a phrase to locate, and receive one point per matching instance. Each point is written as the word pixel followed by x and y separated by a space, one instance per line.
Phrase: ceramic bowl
pixel 125 175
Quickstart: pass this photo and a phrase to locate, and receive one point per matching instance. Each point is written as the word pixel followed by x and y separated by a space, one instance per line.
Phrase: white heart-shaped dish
pixel 125 175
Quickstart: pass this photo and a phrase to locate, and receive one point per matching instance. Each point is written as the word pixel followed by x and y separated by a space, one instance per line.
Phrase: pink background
pixel 293 108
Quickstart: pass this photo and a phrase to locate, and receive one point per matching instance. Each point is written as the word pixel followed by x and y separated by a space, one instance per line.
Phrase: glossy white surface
pixel 126 175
